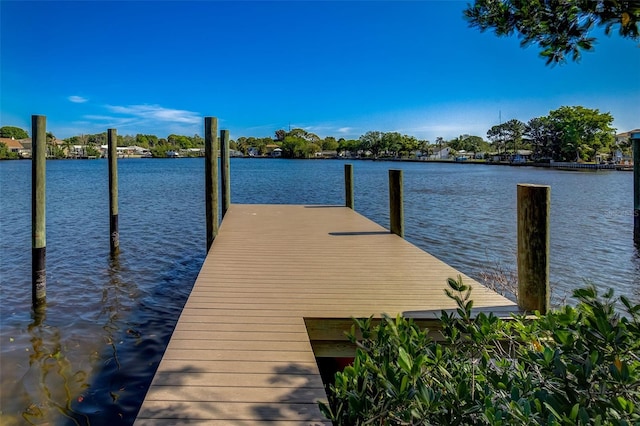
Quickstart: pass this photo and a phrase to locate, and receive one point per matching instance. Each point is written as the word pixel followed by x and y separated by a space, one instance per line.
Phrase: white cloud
pixel 157 113
pixel 77 99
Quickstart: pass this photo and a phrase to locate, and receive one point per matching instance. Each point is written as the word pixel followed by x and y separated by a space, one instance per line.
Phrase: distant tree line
pixel 568 133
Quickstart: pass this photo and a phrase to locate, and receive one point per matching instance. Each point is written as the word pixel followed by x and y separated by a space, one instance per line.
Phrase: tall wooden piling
pixel 38 210
pixel 348 185
pixel 112 142
pixel 225 176
pixel 534 203
pixel 396 205
pixel 635 139
pixel 211 177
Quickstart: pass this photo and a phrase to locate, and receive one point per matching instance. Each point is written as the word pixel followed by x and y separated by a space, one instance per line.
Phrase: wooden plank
pixel 262 380
pixel 229 412
pixel 275 368
pixel 241 352
pixel 253 393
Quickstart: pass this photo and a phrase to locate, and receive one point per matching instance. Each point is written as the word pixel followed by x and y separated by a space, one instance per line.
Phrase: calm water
pixel 90 356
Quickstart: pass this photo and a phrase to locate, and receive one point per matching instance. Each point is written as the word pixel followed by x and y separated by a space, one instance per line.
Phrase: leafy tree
pixel 92 151
pixel 329 144
pixel 468 143
pixel 180 141
pixel 558 27
pixel 372 141
pixel 160 149
pixel 391 142
pixel 350 145
pixel 581 132
pixel 97 139
pixel 67 147
pixel 540 134
pixel 495 135
pixel 426 147
pixel 6 154
pixel 280 134
pixel 146 141
pixel 514 132
pixel 507 136
pixel 197 140
pixel 13 132
pixel 243 145
pixel 409 144
pixel 295 147
pixel 126 140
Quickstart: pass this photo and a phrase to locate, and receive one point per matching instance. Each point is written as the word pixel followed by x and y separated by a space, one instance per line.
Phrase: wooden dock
pixel 279 282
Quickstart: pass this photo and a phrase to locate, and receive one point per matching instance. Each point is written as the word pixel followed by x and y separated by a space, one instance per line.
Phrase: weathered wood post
pixel 112 142
pixel 396 205
pixel 348 185
pixel 211 177
pixel 534 203
pixel 635 139
pixel 225 178
pixel 38 210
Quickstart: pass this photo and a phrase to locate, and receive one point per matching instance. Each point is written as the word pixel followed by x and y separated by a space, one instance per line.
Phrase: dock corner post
pixel 396 205
pixel 635 139
pixel 225 176
pixel 211 177
pixel 348 185
pixel 534 203
pixel 114 232
pixel 38 211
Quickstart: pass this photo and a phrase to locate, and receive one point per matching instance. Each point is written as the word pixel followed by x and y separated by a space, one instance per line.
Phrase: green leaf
pixel 574 412
pixel 404 360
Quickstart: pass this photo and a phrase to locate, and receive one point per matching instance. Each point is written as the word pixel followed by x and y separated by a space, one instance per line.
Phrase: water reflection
pixel 51 382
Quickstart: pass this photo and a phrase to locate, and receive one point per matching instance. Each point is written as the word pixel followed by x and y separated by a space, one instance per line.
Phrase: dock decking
pixel 241 353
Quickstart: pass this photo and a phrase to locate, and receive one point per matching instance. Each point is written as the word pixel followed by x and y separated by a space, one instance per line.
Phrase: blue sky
pixel 331 67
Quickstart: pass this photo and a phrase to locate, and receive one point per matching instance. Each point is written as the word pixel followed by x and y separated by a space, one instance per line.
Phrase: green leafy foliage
pixel 6 154
pixel 573 366
pixel 559 28
pixel 13 132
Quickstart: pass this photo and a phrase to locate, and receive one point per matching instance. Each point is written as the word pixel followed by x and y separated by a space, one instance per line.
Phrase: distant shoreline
pixel 568 166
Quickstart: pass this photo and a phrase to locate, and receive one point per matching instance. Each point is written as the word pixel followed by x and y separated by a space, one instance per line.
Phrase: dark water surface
pixel 89 357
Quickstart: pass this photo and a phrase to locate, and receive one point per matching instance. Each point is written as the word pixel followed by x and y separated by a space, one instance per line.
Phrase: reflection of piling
pixel 635 139
pixel 211 177
pixel 225 181
pixel 348 185
pixel 534 202
pixel 38 209
pixel 112 141
pixel 396 208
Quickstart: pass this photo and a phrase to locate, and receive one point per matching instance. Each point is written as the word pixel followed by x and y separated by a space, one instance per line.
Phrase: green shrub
pixel 573 366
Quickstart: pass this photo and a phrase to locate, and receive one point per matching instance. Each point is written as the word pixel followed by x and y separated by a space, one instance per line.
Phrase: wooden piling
pixel 112 142
pixel 348 185
pixel 396 206
pixel 225 178
pixel 211 177
pixel 38 210
pixel 534 202
pixel 635 139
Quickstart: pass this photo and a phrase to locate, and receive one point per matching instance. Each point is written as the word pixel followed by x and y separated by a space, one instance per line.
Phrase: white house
pixel 443 154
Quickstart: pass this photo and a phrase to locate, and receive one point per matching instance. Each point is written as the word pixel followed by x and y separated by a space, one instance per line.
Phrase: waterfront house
pixel 443 154
pixel 18 146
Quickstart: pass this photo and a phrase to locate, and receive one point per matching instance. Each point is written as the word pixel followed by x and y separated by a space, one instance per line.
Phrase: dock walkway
pixel 241 352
